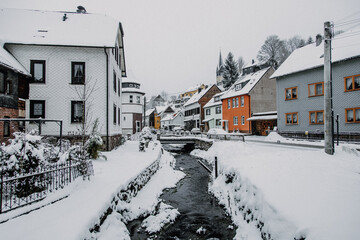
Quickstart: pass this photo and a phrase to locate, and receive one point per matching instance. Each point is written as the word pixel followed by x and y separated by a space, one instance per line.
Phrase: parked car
pixel 195 131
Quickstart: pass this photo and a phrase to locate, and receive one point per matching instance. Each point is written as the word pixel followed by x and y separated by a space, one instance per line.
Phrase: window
pixel 208 111
pixel 114 114
pixel 77 72
pixel 131 98
pixel 316 89
pixel 137 99
pixel 233 102
pixel 316 117
pixel 235 120
pixel 237 102
pixel 77 111
pixel 291 93
pixel 114 81
pixel 37 109
pixel 6 127
pixel 242 120
pixel 237 87
pixel 242 101
pixel 218 122
pixel 291 118
pixel 218 110
pixel 229 104
pixel 2 82
pixel 352 83
pixel 119 115
pixel 119 86
pixel 216 99
pixel 352 115
pixel 37 70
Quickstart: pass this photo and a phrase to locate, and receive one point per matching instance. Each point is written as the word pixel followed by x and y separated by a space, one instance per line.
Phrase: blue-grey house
pixel 300 89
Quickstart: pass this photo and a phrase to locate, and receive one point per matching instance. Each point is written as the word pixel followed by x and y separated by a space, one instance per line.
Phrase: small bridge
pixel 198 142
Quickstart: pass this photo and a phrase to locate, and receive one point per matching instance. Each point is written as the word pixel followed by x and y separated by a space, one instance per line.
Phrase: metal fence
pixel 25 188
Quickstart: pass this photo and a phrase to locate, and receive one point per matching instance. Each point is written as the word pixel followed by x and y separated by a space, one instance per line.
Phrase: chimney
pixel 65 17
pixel 318 39
pixel 252 61
pixel 199 90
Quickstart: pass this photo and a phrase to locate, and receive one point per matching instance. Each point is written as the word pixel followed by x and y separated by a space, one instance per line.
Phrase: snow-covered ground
pixel 71 217
pixel 289 192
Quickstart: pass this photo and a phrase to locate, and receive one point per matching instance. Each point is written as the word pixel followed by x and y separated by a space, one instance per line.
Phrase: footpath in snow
pixel 289 192
pixel 73 216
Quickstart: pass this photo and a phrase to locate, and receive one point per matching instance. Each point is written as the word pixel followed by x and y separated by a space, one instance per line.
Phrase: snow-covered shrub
pixel 25 153
pixel 146 135
pixel 94 144
pixel 78 154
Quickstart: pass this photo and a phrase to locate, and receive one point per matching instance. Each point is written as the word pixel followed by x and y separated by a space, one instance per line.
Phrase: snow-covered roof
pixel 263 117
pixel 252 78
pixel 132 90
pixel 193 88
pixel 212 102
pixel 48 28
pixel 149 111
pixel 196 97
pixel 311 56
pixel 8 61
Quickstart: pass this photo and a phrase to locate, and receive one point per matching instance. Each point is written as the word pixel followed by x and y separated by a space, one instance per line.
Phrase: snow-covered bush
pixel 94 144
pixel 25 153
pixel 78 154
pixel 146 135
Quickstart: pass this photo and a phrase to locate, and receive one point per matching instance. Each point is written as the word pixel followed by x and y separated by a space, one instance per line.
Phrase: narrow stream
pixel 198 209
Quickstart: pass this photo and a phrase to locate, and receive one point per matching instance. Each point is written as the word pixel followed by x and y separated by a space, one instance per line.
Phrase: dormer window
pixel 216 99
pixel 237 87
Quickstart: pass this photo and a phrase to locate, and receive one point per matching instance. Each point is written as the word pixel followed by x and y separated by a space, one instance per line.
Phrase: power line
pixel 349 16
pixel 347 22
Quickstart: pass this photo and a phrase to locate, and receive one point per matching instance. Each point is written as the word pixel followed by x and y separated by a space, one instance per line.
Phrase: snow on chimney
pixel 318 39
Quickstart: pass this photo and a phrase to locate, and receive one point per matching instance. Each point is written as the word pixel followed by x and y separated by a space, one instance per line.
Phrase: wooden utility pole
pixel 328 106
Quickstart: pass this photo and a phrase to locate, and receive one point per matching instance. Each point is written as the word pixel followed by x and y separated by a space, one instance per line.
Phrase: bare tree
pixel 240 64
pixel 294 43
pixel 85 93
pixel 273 51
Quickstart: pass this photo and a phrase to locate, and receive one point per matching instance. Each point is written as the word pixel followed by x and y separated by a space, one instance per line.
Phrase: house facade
pixel 173 120
pixel 76 78
pixel 194 107
pixel 191 91
pixel 213 112
pixel 14 90
pixel 254 92
pixel 300 91
pixel 132 107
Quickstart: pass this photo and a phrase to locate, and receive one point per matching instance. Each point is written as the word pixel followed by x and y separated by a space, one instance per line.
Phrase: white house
pixel 133 107
pixel 173 120
pixel 69 53
pixel 213 112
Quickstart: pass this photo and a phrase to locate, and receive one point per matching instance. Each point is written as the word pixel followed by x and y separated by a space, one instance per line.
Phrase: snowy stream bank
pixel 288 192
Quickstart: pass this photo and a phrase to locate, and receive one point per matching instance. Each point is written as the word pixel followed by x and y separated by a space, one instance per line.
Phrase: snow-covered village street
pixel 283 192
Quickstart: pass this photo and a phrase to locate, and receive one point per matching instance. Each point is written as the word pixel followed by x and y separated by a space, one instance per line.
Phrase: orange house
pixel 235 112
pixel 254 92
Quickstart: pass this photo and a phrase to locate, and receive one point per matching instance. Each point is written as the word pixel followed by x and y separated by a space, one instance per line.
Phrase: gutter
pixel 107 100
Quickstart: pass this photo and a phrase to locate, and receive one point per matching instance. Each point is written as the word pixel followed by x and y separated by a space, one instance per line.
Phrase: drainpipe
pixel 107 100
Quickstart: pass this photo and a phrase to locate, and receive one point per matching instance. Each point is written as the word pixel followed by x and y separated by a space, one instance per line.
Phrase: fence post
pixel 1 190
pixel 216 167
pixel 70 170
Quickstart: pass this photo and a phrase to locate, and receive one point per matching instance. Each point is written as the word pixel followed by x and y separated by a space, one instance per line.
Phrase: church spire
pixel 220 61
pixel 219 71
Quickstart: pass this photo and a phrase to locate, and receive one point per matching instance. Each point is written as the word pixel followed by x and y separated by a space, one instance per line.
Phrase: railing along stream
pixel 23 188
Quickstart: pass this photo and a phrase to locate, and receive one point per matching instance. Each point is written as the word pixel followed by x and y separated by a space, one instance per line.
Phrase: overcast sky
pixel 173 45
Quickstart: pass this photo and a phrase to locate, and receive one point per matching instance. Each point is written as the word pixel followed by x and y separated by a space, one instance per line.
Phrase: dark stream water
pixel 197 207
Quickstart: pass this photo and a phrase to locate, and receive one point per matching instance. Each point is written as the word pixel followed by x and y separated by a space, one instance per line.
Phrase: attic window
pixel 237 87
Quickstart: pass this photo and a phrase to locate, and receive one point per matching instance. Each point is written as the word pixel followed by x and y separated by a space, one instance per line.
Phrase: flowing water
pixel 198 209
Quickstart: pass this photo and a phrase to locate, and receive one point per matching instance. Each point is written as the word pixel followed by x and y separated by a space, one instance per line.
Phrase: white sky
pixel 173 45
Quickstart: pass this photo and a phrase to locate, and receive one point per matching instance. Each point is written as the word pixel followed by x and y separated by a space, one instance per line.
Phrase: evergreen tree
pixel 231 71
pixel 310 40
